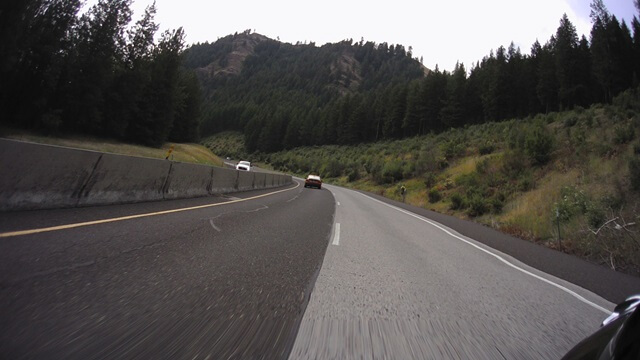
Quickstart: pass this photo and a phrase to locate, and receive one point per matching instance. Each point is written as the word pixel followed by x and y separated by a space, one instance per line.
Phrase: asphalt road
pixel 397 285
pixel 225 281
pixel 286 273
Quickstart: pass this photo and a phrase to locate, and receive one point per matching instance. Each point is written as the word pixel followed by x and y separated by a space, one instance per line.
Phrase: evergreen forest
pixel 282 96
pixel 95 73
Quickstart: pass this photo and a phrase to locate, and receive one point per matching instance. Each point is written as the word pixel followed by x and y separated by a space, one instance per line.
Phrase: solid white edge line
pixel 432 223
pixel 336 235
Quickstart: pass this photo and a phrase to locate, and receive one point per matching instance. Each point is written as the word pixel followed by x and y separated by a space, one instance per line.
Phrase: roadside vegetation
pixel 191 153
pixel 227 144
pixel 569 180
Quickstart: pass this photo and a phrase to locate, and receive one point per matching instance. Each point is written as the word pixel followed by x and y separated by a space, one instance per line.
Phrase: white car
pixel 244 165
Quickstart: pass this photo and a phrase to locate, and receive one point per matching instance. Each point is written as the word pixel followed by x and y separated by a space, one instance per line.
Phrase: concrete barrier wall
pixel 245 180
pixel 224 181
pixel 188 180
pixel 123 179
pixel 31 175
pixel 259 180
pixel 34 176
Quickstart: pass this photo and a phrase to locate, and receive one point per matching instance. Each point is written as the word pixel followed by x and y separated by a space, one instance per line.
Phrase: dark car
pixel 313 181
pixel 617 338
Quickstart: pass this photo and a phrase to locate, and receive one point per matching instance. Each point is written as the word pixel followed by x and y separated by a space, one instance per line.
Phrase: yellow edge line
pixel 104 221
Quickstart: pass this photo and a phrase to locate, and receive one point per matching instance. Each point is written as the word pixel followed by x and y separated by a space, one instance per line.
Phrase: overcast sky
pixel 442 32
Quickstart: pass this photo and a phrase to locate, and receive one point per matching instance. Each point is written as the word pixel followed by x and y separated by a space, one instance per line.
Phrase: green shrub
pixel 596 215
pixel 434 195
pixel 477 205
pixel 392 171
pixel 374 168
pixel 570 121
pixel 517 137
pixel 496 205
pixel 486 148
pixel 426 161
pixel 429 180
pixel 572 202
pixel 452 148
pixel 634 172
pixel 469 181
pixel 482 166
pixel 629 99
pixel 443 163
pixel 332 168
pixel 539 144
pixel 624 134
pixel 457 202
pixel 526 182
pixel 408 170
pixel 353 175
pixel 513 164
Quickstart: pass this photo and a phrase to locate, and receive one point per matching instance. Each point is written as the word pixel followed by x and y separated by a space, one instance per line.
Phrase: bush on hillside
pixel 634 172
pixel 353 174
pixel 434 195
pixel 513 163
pixel 477 205
pixel 486 148
pixel 526 182
pixel 392 171
pixel 496 205
pixel 539 144
pixel 332 168
pixel 457 202
pixel 429 180
pixel 628 100
pixel 482 166
pixel 570 121
pixel 624 134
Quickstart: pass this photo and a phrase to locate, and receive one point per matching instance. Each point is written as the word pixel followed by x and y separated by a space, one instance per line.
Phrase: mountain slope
pixel 252 82
pixel 569 180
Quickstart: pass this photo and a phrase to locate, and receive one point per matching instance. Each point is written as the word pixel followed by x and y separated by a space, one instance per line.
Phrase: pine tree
pixel 99 51
pixel 565 52
pixel 452 114
pixel 411 121
pixel 34 46
pixel 547 88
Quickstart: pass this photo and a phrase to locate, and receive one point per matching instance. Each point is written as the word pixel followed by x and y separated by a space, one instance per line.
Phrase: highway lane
pixel 396 285
pixel 228 280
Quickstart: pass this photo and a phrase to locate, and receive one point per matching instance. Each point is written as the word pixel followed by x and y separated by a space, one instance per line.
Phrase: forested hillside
pixel 569 180
pixel 98 73
pixel 283 96
pixel 94 73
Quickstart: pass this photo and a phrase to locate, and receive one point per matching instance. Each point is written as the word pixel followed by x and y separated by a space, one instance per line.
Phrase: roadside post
pixel 169 152
pixel 558 223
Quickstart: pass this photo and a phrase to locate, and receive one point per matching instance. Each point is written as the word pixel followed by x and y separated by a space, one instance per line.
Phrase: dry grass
pixel 531 213
pixel 464 166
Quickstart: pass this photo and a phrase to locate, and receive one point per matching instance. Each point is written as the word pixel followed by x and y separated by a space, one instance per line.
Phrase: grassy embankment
pixel 191 153
pixel 577 171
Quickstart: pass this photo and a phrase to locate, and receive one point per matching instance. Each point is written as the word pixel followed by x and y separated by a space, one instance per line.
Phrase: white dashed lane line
pixel 336 235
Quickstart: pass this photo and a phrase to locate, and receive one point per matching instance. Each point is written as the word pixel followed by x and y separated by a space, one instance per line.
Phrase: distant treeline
pixel 94 73
pixel 288 96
